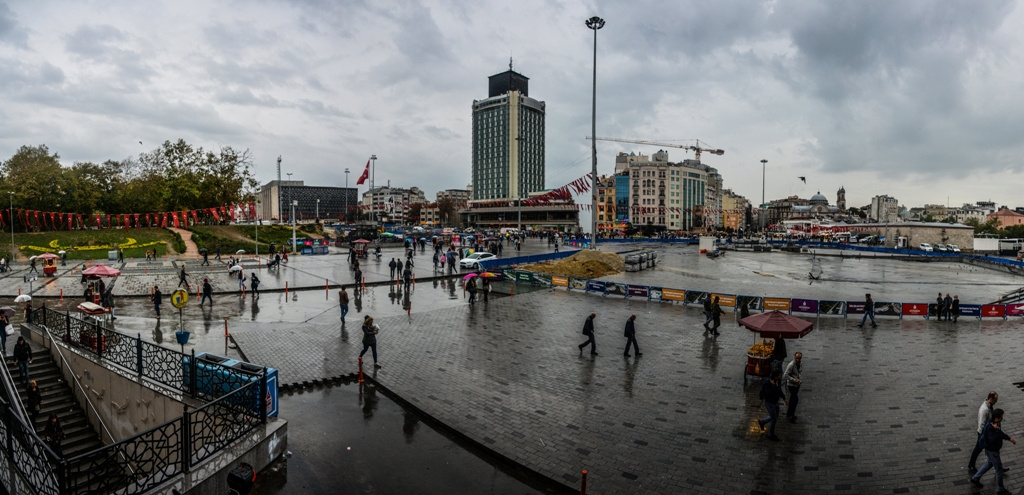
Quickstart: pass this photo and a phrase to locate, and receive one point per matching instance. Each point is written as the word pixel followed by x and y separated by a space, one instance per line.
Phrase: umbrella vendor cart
pixel 769 327
pixel 360 247
pixel 49 263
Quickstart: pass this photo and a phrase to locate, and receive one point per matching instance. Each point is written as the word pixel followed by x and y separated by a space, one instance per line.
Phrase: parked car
pixel 473 260
pixel 941 248
pixel 953 248
pixel 926 247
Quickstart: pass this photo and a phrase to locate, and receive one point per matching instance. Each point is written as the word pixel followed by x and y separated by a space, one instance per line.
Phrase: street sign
pixel 179 298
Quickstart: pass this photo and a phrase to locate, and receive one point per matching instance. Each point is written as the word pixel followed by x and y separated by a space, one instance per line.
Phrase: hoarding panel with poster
pixel 577 283
pixel 776 303
pixel 654 293
pixel 753 303
pixel 637 291
pixel 993 311
pixel 615 289
pixel 888 308
pixel 855 307
pixel 1015 310
pixel 915 309
pixel 673 295
pixel 725 300
pixel 524 277
pixel 559 281
pixel 542 279
pixel 970 310
pixel 695 296
pixel 806 305
pixel 595 286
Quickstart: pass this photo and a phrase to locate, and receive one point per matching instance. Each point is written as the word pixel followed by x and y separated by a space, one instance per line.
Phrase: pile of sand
pixel 584 264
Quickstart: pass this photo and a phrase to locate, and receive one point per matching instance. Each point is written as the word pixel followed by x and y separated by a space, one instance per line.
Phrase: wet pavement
pixel 886 410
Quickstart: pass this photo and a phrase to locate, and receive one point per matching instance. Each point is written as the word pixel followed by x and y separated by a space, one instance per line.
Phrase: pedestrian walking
pixel 207 293
pixel 630 334
pixel 343 303
pixel 771 392
pixel 29 315
pixel 938 307
pixel 158 299
pixel 218 253
pixel 255 284
pixel 393 265
pixel 22 357
pixel 407 275
pixel 53 435
pixel 107 298
pixel 716 316
pixel 358 276
pixel 370 331
pixel 398 268
pixel 471 288
pixel 993 438
pixel 206 258
pixel 32 266
pixel 955 307
pixel 183 278
pixel 947 307
pixel 779 354
pixel 35 400
pixel 792 378
pixel 485 287
pixel 869 311
pixel 984 417
pixel 241 281
pixel 120 255
pixel 708 315
pixel 588 330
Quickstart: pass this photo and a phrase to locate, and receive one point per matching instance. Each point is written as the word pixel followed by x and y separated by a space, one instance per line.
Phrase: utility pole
pixel 594 23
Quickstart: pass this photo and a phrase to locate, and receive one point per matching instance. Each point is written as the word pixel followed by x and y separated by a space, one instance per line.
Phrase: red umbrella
pixel 360 241
pixel 101 270
pixel 46 256
pixel 778 325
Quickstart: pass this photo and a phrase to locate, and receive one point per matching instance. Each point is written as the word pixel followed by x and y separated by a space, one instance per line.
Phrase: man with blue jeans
pixel 869 311
pixel 343 303
pixel 993 438
pixel 984 417
pixel 771 393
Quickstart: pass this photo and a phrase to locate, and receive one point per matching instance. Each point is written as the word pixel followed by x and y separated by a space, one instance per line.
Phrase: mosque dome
pixel 819 199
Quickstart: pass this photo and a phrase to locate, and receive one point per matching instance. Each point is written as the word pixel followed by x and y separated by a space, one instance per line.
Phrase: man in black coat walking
pixel 588 330
pixel 630 334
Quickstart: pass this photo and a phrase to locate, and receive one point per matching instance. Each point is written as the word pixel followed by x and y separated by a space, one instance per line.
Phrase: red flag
pixel 232 211
pixel 163 224
pixel 252 210
pixel 195 216
pixel 108 220
pixel 137 224
pixel 365 175
pixel 79 220
pixel 98 222
pixel 216 216
pixel 224 211
pixel 175 218
pixel 69 221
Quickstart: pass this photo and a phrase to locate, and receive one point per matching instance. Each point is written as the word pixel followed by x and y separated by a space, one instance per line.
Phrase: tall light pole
pixel 373 200
pixel 289 174
pixel 10 216
pixel 594 23
pixel 294 203
pixel 318 208
pixel 346 196
pixel 764 206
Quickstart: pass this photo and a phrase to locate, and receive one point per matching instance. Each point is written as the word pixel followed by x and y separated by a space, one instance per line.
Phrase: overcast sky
pixel 919 100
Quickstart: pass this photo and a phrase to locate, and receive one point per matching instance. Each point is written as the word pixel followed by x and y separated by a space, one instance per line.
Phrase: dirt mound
pixel 584 264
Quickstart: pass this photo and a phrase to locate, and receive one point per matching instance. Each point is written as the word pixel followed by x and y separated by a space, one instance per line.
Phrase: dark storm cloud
pixel 11 32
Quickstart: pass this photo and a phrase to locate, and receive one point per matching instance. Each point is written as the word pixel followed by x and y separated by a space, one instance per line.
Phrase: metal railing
pixel 238 405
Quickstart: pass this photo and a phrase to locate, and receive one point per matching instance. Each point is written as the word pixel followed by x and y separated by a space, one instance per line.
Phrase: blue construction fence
pixel 499 263
pixel 758 303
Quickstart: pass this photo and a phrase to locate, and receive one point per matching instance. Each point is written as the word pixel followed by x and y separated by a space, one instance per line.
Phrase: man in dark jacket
pixel 993 438
pixel 23 357
pixel 716 316
pixel 771 392
pixel 207 293
pixel 630 334
pixel 588 330
pixel 158 299
pixel 707 312
pixel 947 307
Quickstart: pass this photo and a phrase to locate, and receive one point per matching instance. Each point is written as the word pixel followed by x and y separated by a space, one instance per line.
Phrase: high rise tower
pixel 508 139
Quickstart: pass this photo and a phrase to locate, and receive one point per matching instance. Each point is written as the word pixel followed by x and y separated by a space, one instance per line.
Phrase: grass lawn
pixel 93 244
pixel 231 238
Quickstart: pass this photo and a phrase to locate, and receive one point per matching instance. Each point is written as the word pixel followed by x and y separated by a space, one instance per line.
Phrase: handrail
pixel 13 395
pixel 64 363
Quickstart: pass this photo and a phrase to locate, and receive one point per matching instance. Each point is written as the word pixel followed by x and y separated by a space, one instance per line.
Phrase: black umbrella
pixel 203 251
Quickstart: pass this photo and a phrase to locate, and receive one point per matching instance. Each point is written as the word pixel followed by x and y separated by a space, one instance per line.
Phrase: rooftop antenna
pixel 509 63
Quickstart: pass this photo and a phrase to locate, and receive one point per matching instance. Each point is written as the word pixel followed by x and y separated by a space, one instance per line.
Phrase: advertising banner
pixel 915 309
pixel 992 310
pixel 855 307
pixel 695 296
pixel 753 303
pixel 673 295
pixel 725 300
pixel 805 305
pixel 595 286
pixel 888 309
pixel 559 281
pixel 970 310
pixel 615 288
pixel 577 283
pixel 524 277
pixel 776 303
pixel 654 293
pixel 637 291
pixel 509 275
pixel 542 279
pixel 1015 309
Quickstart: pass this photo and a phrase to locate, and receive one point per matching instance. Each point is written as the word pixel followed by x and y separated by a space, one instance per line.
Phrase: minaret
pixel 841 198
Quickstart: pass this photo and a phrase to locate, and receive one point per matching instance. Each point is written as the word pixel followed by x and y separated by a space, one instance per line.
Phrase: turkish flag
pixel 175 218
pixel 163 224
pixel 365 175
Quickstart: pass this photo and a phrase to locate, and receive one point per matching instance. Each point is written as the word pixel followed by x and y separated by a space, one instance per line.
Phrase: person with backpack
pixel 993 437
pixel 770 393
pixel 588 330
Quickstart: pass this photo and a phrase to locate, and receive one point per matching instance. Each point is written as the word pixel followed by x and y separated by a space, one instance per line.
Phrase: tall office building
pixel 508 140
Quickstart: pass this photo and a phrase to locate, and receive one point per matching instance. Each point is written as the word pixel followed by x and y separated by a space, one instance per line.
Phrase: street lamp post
pixel 594 23
pixel 295 202
pixel 346 196
pixel 10 216
pixel 318 208
pixel 373 201
pixel 764 206
pixel 289 174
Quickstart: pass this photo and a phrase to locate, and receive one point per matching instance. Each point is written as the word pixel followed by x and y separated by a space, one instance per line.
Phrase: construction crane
pixel 697 150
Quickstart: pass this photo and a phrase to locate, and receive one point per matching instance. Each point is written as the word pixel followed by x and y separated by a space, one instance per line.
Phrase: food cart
pixel 768 327
pixel 359 246
pixel 49 261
